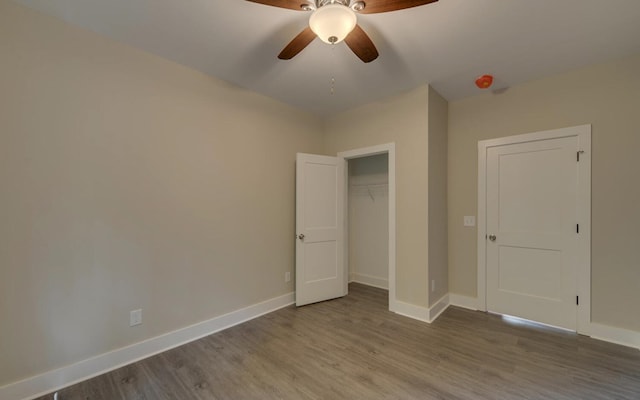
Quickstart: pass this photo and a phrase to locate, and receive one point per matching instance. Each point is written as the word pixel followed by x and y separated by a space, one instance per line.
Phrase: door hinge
pixel 577 300
pixel 577 228
pixel 578 155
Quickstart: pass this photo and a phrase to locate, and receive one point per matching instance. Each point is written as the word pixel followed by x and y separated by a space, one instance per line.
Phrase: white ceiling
pixel 446 44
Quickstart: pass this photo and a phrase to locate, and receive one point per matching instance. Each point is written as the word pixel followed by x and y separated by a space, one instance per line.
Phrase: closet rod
pixel 369 184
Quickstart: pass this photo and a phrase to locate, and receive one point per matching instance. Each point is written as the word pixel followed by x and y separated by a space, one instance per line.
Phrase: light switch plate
pixel 469 220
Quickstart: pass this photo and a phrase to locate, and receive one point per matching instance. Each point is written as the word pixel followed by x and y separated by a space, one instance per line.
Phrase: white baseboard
pixel 420 313
pixel 615 335
pixel 369 280
pixel 438 308
pixel 411 311
pixel 57 379
pixel 467 302
pixel 607 333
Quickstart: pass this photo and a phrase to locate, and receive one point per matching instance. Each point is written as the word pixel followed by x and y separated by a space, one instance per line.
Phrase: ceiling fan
pixel 335 20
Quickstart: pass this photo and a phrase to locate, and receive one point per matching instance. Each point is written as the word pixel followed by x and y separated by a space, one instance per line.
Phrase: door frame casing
pixel 390 150
pixel 583 213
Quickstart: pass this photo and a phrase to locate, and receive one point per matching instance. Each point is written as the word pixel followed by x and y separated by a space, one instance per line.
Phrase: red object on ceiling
pixel 484 81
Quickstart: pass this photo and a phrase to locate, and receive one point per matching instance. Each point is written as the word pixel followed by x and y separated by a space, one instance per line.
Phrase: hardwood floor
pixel 353 348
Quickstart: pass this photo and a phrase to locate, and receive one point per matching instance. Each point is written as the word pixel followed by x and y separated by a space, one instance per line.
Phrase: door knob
pixel 301 236
pixel 492 238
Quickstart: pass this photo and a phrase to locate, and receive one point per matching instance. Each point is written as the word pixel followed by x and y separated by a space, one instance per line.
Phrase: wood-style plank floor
pixel 353 348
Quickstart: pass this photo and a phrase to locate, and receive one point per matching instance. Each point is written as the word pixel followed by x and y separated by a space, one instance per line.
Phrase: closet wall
pixel 368 216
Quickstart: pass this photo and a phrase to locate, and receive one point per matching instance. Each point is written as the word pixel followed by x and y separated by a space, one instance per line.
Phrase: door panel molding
pixel 583 213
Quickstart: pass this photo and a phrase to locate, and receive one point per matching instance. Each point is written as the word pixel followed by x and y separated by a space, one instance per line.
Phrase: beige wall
pixel 437 235
pixel 401 119
pixel 127 181
pixel 606 96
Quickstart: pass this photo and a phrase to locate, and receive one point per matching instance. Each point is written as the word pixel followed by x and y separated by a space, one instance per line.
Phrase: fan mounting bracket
pixel 312 5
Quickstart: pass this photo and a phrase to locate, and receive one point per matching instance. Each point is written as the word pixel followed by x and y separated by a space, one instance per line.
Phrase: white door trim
pixel 583 217
pixel 390 149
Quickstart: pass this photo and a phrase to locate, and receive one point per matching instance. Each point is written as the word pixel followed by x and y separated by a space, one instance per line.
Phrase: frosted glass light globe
pixel 333 22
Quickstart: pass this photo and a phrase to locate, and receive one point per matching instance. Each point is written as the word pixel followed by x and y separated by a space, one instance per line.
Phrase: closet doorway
pixel 370 226
pixel 368 220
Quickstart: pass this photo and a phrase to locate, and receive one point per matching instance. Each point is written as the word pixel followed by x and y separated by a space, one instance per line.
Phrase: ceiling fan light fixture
pixel 333 22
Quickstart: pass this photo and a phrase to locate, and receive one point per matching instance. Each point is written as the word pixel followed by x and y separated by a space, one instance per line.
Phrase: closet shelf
pixel 369 186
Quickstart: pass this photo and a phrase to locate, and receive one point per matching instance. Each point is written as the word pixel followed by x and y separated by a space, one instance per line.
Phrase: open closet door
pixel 320 271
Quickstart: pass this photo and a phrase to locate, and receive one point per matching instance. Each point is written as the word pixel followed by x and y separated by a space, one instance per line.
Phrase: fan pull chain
pixel 333 78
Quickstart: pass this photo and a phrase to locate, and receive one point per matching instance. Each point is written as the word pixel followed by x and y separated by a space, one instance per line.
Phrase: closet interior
pixel 368 220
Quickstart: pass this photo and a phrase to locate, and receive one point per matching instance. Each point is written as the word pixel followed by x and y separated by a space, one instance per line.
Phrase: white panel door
pixel 531 230
pixel 320 271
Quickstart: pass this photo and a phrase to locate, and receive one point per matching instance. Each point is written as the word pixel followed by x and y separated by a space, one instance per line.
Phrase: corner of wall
pixel 437 243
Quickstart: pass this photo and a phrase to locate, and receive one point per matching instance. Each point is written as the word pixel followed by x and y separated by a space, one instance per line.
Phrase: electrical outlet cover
pixel 135 317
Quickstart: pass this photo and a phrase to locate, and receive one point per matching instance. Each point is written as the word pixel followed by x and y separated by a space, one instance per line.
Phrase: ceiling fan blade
pixel 297 44
pixel 380 6
pixel 359 42
pixel 290 4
